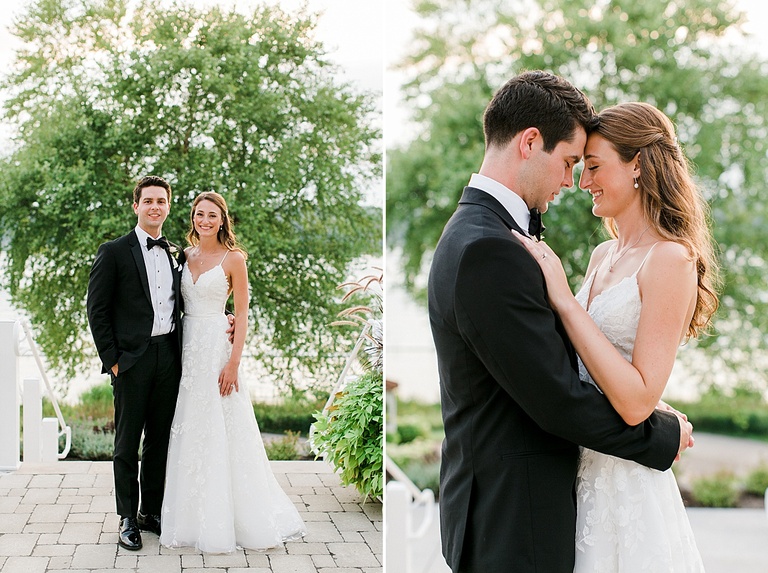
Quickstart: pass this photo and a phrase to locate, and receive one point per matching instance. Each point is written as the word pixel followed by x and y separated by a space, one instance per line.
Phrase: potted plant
pixel 348 432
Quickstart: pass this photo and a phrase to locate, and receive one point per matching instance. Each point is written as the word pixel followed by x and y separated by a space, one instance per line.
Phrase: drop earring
pixel 636 185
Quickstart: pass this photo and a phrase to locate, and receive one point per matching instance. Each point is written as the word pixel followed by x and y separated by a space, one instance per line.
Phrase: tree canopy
pixel 247 105
pixel 687 58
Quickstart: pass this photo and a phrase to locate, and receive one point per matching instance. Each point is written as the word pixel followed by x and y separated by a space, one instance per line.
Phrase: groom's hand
pixel 231 329
pixel 686 434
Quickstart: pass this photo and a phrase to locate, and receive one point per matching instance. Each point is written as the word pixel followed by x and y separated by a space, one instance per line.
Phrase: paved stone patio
pixel 61 517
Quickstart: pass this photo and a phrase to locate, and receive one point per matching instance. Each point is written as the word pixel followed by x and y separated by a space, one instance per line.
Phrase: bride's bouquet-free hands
pixel 558 290
pixel 228 379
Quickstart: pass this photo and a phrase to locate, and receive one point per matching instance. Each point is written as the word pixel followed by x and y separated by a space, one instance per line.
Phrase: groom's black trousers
pixel 145 400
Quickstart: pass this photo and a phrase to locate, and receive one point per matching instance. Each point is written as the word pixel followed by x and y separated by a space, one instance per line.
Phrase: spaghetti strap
pixel 645 258
pixel 224 257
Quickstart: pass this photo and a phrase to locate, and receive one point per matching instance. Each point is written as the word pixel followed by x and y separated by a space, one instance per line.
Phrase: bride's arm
pixel 237 274
pixel 668 289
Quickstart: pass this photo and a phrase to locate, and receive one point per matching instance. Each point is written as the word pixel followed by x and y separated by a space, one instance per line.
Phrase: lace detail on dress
pixel 220 491
pixel 630 518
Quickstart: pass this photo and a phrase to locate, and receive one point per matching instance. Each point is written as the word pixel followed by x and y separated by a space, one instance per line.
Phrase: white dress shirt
pixel 510 200
pixel 160 277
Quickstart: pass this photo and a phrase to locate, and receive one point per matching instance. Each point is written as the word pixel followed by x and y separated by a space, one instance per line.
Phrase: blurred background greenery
pixel 690 58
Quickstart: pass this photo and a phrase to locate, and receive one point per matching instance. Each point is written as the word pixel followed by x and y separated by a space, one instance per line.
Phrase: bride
pixel 220 494
pixel 645 292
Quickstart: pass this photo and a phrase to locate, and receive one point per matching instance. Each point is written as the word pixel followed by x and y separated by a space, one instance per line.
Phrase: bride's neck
pixel 208 245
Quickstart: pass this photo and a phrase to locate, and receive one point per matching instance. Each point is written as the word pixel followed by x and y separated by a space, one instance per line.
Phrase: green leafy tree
pixel 244 104
pixel 674 55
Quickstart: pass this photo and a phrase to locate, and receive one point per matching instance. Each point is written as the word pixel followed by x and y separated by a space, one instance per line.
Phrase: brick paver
pixel 61 517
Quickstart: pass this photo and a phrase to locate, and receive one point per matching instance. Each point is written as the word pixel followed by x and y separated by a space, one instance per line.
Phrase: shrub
pixel 757 481
pixel 717 491
pixel 97 402
pixel 350 436
pixel 742 414
pixel 408 432
pixel 292 414
pixel 286 448
pixel 92 441
pixel 424 474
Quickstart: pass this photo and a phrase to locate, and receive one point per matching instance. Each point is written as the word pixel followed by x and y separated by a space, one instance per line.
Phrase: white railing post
pixel 9 396
pixel 49 440
pixel 398 515
pixel 33 414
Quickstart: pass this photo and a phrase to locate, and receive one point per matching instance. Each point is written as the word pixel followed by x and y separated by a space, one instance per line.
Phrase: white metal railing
pixel 341 381
pixel 64 430
pixel 409 521
pixel 48 434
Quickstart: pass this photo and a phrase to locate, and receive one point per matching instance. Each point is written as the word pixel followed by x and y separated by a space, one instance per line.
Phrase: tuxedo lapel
pixel 472 196
pixel 138 257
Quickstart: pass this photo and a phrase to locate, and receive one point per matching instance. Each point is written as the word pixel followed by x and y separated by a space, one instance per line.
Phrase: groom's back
pixel 493 453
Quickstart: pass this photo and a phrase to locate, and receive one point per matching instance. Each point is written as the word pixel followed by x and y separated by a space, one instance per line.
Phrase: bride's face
pixel 607 178
pixel 207 218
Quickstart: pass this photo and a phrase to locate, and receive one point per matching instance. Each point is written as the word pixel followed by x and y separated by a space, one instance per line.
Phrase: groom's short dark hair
pixel 150 181
pixel 541 100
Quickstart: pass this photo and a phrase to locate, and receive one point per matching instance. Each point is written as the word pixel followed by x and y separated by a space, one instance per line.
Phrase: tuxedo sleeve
pixel 503 314
pixel 101 288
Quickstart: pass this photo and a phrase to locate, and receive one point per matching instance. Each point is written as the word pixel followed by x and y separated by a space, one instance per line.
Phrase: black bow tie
pixel 535 228
pixel 162 242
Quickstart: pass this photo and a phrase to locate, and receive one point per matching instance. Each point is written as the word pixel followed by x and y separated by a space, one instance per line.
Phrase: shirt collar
pixel 510 200
pixel 142 235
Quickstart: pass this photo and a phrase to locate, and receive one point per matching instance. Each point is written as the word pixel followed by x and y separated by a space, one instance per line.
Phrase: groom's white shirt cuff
pixel 510 200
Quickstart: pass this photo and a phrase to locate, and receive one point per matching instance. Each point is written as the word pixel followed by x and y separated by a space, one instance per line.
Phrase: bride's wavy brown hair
pixel 226 235
pixel 671 201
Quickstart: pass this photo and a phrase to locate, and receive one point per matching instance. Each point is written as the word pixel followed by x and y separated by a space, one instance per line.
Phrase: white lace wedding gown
pixel 630 518
pixel 220 493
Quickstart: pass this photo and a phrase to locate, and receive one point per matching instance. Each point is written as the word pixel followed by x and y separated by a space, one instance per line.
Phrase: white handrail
pixel 65 430
pixel 341 380
pixel 420 497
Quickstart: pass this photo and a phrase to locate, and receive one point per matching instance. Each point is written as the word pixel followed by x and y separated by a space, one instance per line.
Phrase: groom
pixel 513 405
pixel 134 311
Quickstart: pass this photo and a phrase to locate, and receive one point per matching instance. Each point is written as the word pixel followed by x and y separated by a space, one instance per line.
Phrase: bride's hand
pixel 558 290
pixel 228 380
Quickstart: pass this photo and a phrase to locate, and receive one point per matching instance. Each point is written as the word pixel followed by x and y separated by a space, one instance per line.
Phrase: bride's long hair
pixel 670 199
pixel 226 235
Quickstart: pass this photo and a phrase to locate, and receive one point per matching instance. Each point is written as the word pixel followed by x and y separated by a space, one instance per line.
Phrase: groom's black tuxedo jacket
pixel 513 405
pixel 119 305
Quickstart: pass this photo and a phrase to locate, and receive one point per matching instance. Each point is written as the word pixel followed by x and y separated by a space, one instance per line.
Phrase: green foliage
pixel 424 474
pixel 291 414
pixel 97 402
pixel 757 481
pixel 93 440
pixel 743 413
pixel 675 56
pixel 350 436
pixel 408 432
pixel 716 491
pixel 244 104
pixel 415 448
pixel 286 448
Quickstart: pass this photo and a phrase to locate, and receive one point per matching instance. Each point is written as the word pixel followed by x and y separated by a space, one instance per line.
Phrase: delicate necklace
pixel 203 257
pixel 611 262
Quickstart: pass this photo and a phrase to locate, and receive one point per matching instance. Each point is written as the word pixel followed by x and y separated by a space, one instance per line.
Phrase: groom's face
pixel 152 209
pixel 553 171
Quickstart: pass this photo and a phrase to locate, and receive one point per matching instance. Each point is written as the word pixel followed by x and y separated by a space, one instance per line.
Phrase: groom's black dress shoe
pixel 149 523
pixel 129 535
